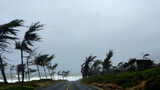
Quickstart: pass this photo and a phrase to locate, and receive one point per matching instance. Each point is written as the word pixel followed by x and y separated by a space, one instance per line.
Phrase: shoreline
pixel 69 78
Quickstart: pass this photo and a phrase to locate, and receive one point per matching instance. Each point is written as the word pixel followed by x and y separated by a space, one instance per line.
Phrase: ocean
pixel 35 77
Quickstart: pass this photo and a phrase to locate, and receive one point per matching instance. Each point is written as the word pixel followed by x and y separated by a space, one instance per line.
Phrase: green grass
pixel 128 79
pixel 19 88
pixel 32 85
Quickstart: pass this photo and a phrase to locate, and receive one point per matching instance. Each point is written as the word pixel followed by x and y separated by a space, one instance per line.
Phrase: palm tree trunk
pixel 4 76
pixel 3 72
pixel 49 73
pixel 38 72
pixel 11 77
pixel 28 73
pixel 52 74
pixel 22 64
pixel 45 71
pixel 18 76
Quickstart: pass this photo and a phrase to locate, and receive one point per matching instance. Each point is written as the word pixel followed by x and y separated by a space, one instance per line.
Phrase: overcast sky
pixel 75 29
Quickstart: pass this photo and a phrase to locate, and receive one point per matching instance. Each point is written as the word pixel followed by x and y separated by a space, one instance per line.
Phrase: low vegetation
pixel 143 80
pixel 136 74
pixel 32 85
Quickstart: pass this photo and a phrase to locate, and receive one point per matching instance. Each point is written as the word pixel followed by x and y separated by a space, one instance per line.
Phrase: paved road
pixel 69 86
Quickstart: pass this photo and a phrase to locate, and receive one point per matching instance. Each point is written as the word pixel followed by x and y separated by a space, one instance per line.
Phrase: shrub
pixel 129 79
pixel 153 83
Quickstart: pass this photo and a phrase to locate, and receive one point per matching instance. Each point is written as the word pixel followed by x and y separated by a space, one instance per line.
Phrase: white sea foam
pixel 56 77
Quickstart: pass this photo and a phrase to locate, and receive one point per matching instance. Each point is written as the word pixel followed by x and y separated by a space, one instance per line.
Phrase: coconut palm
pixel 11 70
pixel 85 67
pixel 20 68
pixel 107 63
pixel 31 71
pixel 8 32
pixel 96 67
pixel 60 74
pixel 65 74
pixel 28 62
pixel 37 62
pixel 49 68
pixel 27 42
pixel 43 61
pixel 52 68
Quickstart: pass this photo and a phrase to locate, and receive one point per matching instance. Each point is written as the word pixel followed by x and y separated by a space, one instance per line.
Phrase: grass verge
pixel 151 77
pixel 32 85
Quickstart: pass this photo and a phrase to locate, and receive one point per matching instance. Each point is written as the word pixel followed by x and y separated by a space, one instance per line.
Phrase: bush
pixel 128 79
pixel 153 83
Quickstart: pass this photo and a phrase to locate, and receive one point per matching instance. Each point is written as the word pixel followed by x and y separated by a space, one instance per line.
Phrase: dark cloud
pixel 77 28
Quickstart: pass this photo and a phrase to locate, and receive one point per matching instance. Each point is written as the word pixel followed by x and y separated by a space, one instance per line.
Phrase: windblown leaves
pixel 8 32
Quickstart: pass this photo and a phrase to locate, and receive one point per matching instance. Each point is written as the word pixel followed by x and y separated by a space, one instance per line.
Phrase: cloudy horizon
pixel 74 29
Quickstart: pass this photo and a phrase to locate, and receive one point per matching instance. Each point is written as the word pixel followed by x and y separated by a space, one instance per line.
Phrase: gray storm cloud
pixel 77 28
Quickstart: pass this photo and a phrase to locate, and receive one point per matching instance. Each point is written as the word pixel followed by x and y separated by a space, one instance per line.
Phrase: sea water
pixel 56 77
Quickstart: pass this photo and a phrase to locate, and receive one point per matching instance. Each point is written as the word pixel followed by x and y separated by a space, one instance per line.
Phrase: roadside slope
pixel 147 80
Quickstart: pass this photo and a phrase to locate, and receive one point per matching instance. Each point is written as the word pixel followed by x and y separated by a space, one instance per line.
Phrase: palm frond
pixel 50 58
pixel 9 28
pixel 43 60
pixel 31 34
pixel 26 48
pixel 54 66
pixel 8 32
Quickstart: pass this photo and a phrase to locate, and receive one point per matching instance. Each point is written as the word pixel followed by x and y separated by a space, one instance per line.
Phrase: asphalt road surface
pixel 66 85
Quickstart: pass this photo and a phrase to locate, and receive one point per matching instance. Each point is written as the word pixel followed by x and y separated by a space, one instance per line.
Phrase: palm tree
pixel 2 68
pixel 37 62
pixel 107 63
pixel 20 68
pixel 85 67
pixel 96 67
pixel 29 38
pixel 52 68
pixel 65 74
pixel 43 61
pixel 60 74
pixel 7 33
pixel 30 70
pixel 11 70
pixel 49 68
pixel 29 57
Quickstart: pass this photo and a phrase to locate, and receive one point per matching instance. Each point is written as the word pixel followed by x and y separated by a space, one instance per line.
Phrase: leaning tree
pixel 29 62
pixel 85 67
pixel 51 69
pixel 43 61
pixel 107 63
pixel 29 38
pixel 8 32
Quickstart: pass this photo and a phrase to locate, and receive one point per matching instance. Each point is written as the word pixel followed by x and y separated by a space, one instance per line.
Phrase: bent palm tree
pixel 11 70
pixel 37 62
pixel 53 68
pixel 85 67
pixel 96 67
pixel 7 33
pixel 29 38
pixel 28 62
pixel 107 62
pixel 44 60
